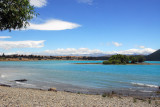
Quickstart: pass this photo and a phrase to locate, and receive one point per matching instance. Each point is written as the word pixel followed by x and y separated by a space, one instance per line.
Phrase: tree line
pixel 40 57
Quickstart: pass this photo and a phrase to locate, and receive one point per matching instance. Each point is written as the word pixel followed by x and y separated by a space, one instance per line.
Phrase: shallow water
pixel 65 75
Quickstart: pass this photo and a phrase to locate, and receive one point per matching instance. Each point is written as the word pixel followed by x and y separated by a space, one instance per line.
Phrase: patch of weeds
pixel 97 94
pixel 143 100
pixel 158 92
pixel 156 103
pixel 149 101
pixel 120 97
pixel 109 95
pixel 113 92
pixel 134 100
pixel 78 93
pixel 104 94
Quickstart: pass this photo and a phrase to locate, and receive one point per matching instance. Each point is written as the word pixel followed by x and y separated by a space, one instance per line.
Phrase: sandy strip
pixel 11 97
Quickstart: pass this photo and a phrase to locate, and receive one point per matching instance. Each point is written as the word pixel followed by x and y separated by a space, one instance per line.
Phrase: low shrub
pixel 158 92
pixel 113 92
pixel 107 62
pixel 134 100
pixel 104 94
pixel 78 93
pixel 149 101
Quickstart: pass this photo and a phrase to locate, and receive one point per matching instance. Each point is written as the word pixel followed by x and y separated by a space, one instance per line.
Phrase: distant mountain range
pixel 155 56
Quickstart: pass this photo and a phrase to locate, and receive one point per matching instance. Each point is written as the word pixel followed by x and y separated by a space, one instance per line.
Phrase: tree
pixel 15 14
pixel 140 58
pixel 134 60
pixel 3 55
pixel 117 59
pixel 123 59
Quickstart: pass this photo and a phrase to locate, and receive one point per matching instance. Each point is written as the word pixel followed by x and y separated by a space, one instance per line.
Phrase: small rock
pixel 4 85
pixel 21 80
pixel 52 89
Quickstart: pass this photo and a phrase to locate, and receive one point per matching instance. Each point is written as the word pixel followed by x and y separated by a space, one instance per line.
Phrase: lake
pixel 87 78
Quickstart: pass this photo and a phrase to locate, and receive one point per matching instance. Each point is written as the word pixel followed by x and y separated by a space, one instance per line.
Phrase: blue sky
pixel 88 27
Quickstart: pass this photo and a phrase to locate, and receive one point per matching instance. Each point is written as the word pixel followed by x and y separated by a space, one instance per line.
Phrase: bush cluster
pixel 123 59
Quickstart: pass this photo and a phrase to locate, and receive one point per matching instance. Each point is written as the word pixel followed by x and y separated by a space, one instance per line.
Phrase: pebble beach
pixel 23 97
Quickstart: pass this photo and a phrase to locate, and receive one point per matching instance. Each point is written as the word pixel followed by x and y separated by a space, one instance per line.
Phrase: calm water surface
pixel 65 75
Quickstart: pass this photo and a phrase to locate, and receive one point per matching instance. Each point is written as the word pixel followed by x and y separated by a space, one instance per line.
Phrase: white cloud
pixel 86 52
pixel 72 51
pixel 86 1
pixel 116 44
pixel 38 3
pixel 5 37
pixel 142 47
pixel 144 51
pixel 95 52
pixel 17 52
pixel 53 25
pixel 21 44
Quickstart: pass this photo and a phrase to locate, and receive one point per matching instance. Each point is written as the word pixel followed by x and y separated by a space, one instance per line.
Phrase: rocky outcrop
pixel 21 80
pixel 52 89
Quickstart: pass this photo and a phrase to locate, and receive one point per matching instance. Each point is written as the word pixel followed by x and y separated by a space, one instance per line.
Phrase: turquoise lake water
pixel 65 75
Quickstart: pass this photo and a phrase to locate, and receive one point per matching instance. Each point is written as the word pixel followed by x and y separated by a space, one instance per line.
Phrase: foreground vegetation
pixel 15 14
pixel 123 59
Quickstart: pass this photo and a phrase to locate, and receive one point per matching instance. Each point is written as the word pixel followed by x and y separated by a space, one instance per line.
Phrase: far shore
pixel 46 60
pixel 77 60
pixel 123 64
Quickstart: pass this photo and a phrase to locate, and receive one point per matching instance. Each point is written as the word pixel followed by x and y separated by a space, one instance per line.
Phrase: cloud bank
pixel 85 52
pixel 95 52
pixel 21 44
pixel 5 37
pixel 72 51
pixel 144 51
pixel 53 25
pixel 38 3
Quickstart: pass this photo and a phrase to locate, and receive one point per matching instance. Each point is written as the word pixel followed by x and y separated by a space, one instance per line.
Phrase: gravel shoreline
pixel 22 97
